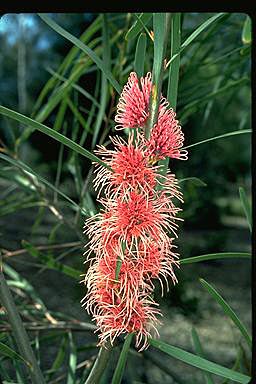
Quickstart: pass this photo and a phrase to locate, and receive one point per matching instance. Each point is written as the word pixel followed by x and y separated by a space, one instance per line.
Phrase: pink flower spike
pixel 130 168
pixel 166 137
pixel 132 109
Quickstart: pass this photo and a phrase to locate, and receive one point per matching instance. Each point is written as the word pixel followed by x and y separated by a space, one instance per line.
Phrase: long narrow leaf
pixel 135 29
pixel 246 207
pixel 51 263
pixel 199 362
pixel 196 33
pixel 228 310
pixel 50 132
pixel 234 133
pixel 118 374
pixel 104 85
pixel 51 83
pixel 9 352
pixel 199 351
pixel 84 48
pixel 247 31
pixel 140 55
pixel 19 331
pixel 173 76
pixel 72 360
pixel 25 167
pixel 215 256
pixel 195 180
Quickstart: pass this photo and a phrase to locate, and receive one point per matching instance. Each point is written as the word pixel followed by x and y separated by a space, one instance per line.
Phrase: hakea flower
pixel 141 320
pixel 166 137
pixel 130 219
pixel 120 306
pixel 133 105
pixel 128 168
pixel 137 217
pixel 133 111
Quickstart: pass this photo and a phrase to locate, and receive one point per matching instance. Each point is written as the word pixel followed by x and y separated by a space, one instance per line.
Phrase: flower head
pixel 166 137
pixel 120 306
pixel 130 168
pixel 132 108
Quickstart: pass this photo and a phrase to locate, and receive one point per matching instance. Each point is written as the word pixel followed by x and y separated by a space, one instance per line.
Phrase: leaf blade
pixel 228 310
pixel 118 374
pixel 140 55
pixel 84 48
pixel 9 352
pixel 247 31
pixel 215 256
pixel 199 362
pixel 233 133
pixel 246 207
pixel 50 132
pixel 135 29
pixel 199 351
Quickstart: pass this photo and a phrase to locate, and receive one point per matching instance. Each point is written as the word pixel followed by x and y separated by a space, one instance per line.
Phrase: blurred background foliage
pixel 44 76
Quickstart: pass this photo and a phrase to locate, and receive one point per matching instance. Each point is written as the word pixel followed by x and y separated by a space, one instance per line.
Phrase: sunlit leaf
pixel 247 31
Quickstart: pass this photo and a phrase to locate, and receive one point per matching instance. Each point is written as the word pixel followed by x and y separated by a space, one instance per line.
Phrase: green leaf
pixel 9 352
pixel 83 92
pixel 199 351
pixel 50 132
pixel 135 29
pixel 246 207
pixel 72 360
pixel 228 310
pixel 22 283
pixel 199 362
pixel 59 359
pixel 173 78
pixel 195 180
pixel 140 55
pixel 51 263
pixel 196 33
pixel 194 105
pixel 104 95
pixel 19 331
pixel 161 26
pixel 84 48
pixel 247 31
pixel 160 41
pixel 69 59
pixel 215 256
pixel 234 133
pixel 25 167
pixel 119 371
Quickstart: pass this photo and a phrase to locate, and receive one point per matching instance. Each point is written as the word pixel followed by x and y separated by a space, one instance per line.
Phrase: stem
pixel 161 25
pixel 19 332
pixel 173 73
pixel 99 365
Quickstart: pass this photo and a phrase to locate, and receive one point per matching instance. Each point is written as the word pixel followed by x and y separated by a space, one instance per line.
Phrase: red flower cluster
pixel 133 111
pixel 129 237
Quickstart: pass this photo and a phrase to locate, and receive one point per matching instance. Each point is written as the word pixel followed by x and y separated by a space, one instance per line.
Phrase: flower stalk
pixel 161 24
pixel 173 78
